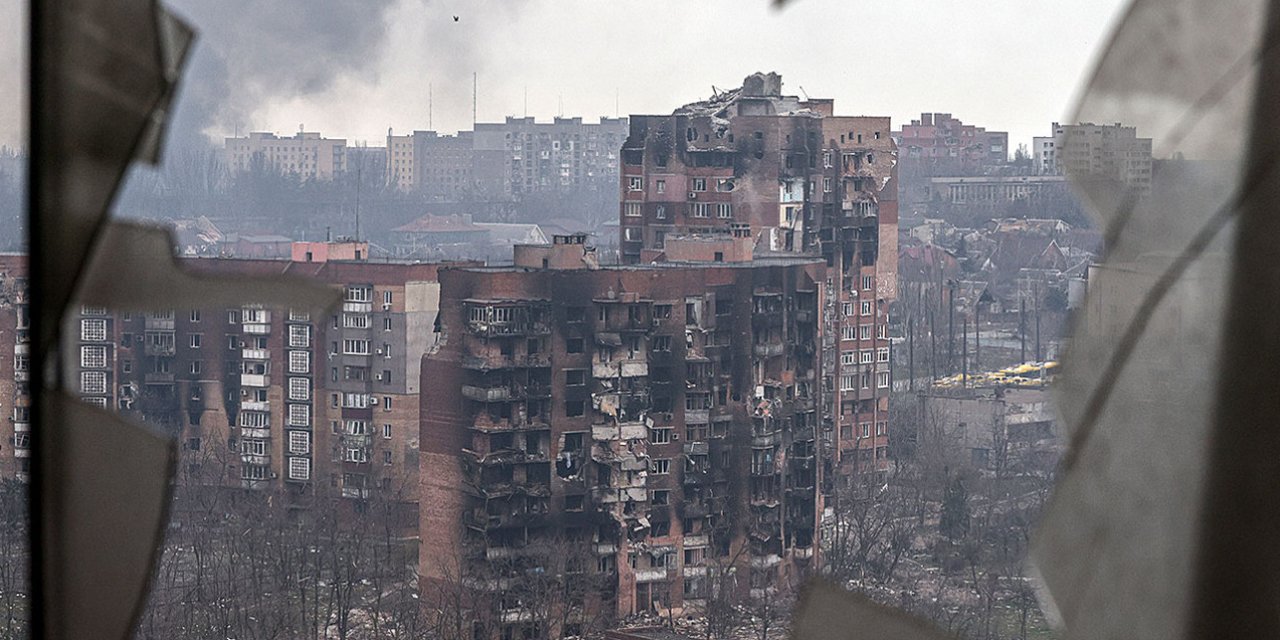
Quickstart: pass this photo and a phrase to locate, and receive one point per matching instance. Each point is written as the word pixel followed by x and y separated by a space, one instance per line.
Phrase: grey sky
pixel 362 67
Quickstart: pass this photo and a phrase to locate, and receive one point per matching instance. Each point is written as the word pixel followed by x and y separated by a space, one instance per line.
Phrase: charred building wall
pixel 802 181
pixel 648 426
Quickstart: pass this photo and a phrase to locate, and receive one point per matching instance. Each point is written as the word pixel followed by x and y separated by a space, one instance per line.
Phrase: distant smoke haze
pixel 353 68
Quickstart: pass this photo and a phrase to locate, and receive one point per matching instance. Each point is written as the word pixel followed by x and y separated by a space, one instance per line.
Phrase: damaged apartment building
pixel 647 426
pixel 795 179
pixel 273 399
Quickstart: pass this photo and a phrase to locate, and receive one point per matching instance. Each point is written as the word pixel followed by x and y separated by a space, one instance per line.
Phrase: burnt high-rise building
pixel 796 179
pixel 598 441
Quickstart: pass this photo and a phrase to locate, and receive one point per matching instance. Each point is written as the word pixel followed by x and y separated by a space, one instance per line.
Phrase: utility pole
pixel 977 335
pixel 964 358
pixel 911 352
pixel 1022 330
pixel 1038 357
pixel 933 349
pixel 951 326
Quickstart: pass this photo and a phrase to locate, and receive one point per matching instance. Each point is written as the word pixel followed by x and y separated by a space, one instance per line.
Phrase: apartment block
pixel 650 427
pixel 797 180
pixel 305 154
pixel 503 160
pixel 1113 153
pixel 270 398
pixel 564 154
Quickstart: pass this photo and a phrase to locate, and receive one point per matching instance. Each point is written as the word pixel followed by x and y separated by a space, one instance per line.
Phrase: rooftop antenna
pixel 806 93
pixel 474 84
pixel 430 106
pixel 526 101
pixel 616 93
pixel 561 107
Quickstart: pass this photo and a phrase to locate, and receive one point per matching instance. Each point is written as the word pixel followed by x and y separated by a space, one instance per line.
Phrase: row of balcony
pixel 620 369
pixel 487 363
pixel 503 393
pixel 494 329
pixel 484 423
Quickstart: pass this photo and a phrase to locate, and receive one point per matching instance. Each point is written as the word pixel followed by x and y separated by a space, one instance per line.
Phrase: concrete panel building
pixel 305 154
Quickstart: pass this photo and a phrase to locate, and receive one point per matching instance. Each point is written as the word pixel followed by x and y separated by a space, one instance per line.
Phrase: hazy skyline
pixel 358 68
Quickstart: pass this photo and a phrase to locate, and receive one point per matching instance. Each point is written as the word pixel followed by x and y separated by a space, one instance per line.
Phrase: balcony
pixel 491 329
pixel 765 562
pixel 251 405
pixel 260 460
pixel 498 361
pixel 159 350
pixel 620 368
pixel 605 549
pixel 355 492
pixel 769 349
pixel 21 453
pixel 21 376
pixel 621 431
pixel 651 575
pixel 357 307
pixel 158 378
pixel 506 456
pixel 691 542
pixel 159 324
pixel 487 394
pixel 253 380
pixel 255 354
pixel 697 416
pixel 21 427
pixel 257 329
pixel 697 448
pixel 484 423
pixel 767 441
pixel 694 572
pixel 802 553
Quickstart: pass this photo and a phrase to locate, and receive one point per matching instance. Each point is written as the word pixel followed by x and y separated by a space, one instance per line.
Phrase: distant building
pixel 329 250
pixel 994 195
pixel 993 427
pixel 431 232
pixel 940 145
pixel 1091 151
pixel 305 154
pixel 502 160
pixel 647 424
pixel 268 247
pixel 460 237
pixel 400 166
pixel 562 155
